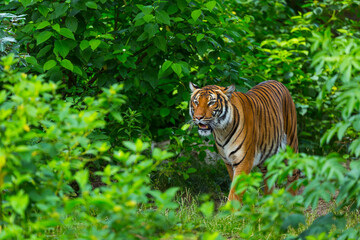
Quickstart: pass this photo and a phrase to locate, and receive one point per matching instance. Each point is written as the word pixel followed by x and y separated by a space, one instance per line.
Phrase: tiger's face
pixel 209 107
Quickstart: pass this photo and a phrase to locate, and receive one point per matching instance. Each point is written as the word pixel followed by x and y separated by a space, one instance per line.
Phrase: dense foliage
pixel 83 81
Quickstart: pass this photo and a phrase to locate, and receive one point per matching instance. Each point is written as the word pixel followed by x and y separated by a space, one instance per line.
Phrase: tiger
pixel 248 128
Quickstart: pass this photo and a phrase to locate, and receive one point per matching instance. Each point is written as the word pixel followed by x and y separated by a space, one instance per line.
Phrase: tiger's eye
pixel 196 102
pixel 211 103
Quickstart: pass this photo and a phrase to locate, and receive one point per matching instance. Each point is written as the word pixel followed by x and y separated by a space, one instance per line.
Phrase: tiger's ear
pixel 193 87
pixel 229 90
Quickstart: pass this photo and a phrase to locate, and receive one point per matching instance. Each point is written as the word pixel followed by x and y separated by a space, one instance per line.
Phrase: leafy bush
pixel 46 146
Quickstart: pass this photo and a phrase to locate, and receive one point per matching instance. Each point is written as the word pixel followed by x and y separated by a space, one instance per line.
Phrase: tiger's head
pixel 210 107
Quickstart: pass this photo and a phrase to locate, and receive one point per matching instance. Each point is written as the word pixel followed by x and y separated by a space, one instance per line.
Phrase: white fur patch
pixel 257 159
pixel 283 143
pixel 204 133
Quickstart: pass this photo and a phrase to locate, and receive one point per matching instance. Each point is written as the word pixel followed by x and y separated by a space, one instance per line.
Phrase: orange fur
pixel 247 127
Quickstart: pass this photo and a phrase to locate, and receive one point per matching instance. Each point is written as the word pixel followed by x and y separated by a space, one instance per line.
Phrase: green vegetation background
pixel 91 90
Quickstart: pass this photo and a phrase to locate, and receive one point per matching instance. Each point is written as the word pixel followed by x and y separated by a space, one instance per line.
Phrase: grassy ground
pixel 230 227
pixel 192 223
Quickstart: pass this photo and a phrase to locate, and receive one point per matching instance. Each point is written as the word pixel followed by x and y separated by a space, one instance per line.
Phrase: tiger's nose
pixel 198 117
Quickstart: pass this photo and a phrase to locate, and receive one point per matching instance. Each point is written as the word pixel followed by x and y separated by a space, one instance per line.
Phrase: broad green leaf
pixel 42 25
pixel 82 178
pixel 160 43
pixel 43 36
pixel 60 9
pixel 67 33
pixel 94 43
pixel 182 4
pixel 196 14
pixel 49 64
pixel 130 145
pixel 142 37
pixel 77 70
pixel 166 65
pixel 164 112
pixel 19 202
pixel 176 68
pixel 67 64
pixel 210 5
pixel 151 29
pixel 199 37
pixel 71 23
pixel 43 51
pixel 91 4
pixel 145 9
pixel 43 10
pixel 148 18
pixel 61 47
pixel 207 209
pixel 84 44
pixel 162 17
pixel 26 3
pixel 31 60
pixel 56 27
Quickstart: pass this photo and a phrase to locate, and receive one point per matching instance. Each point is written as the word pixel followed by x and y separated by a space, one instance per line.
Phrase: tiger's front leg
pixel 244 167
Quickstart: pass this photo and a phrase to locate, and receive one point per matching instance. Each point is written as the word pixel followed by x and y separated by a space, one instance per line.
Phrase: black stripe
pixel 237 149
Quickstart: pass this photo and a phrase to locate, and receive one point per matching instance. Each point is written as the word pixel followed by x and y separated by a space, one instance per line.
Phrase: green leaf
pixel 176 68
pixel 31 60
pixel 166 65
pixel 182 4
pixel 49 64
pixel 67 33
pixel 164 112
pixel 140 145
pixel 84 44
pixel 26 3
pixel 207 209
pixel 67 64
pixel 199 37
pixel 42 25
pixel 210 5
pixel 43 36
pixel 142 37
pixel 130 145
pixel 160 43
pixel 202 47
pixel 61 47
pixel 19 202
pixel 145 9
pixel 72 203
pixel 71 23
pixel 94 43
pixel 162 17
pixel 151 29
pixel 82 178
pixel 342 129
pixel 43 10
pixel 196 14
pixel 43 51
pixel 60 9
pixel 56 27
pixel 91 4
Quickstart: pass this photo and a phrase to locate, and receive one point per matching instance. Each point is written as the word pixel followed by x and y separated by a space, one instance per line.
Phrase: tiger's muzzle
pixel 204 127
